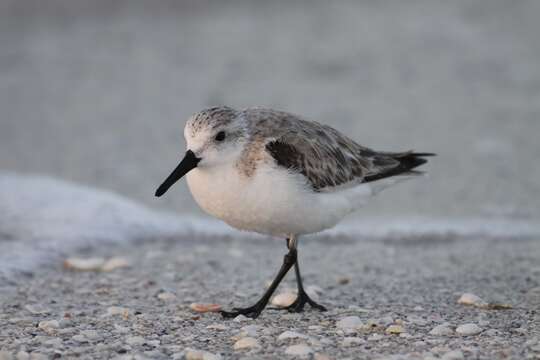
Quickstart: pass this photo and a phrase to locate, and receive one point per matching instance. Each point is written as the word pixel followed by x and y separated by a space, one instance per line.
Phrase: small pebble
pixel 241 318
pixel 49 326
pixel 394 329
pixel 284 299
pixel 250 330
pixel 117 310
pixel 299 350
pixel 79 338
pixel 441 330
pixel 205 308
pixel 287 335
pixel 166 296
pixel 349 323
pixel 80 264
pixel 471 299
pixel 115 263
pixel 246 343
pixel 468 329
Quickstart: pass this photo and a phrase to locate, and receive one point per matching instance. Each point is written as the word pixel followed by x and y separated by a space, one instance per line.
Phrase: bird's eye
pixel 220 136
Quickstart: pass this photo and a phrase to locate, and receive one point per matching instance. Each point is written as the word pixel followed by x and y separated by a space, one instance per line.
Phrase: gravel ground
pixel 98 92
pixel 411 283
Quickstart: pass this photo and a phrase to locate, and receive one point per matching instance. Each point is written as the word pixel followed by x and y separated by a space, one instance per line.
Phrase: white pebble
pixel 287 335
pixel 121 329
pixel 79 338
pixel 80 264
pixel 114 263
pixel 453 355
pixel 284 299
pixel 441 330
pixel 246 343
pixel 468 329
pixel 241 318
pixel 299 350
pixel 49 326
pixel 4 355
pixel 349 323
pixel 471 299
pixel 117 310
pixel 166 296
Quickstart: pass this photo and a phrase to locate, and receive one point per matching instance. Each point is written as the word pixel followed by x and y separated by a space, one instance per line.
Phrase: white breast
pixel 272 201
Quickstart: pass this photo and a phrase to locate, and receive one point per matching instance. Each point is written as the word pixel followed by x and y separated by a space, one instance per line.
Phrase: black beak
pixel 189 163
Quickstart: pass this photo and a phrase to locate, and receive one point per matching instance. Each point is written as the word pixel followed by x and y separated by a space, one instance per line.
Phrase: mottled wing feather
pixel 324 156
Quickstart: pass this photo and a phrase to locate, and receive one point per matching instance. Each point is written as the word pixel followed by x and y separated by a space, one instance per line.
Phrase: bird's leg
pixel 303 297
pixel 254 311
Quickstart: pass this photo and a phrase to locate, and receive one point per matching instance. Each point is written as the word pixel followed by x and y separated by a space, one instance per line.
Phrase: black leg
pixel 303 298
pixel 254 311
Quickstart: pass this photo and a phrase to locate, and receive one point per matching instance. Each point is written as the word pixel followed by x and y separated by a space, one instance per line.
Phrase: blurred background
pixel 97 92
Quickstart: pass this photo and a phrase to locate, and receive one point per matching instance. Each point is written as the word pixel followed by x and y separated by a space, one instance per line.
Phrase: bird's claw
pixel 250 312
pixel 302 299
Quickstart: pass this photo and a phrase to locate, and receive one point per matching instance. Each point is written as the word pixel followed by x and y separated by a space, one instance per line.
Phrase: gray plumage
pixel 326 157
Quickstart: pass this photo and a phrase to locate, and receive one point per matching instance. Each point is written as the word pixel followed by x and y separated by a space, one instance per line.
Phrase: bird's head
pixel 213 137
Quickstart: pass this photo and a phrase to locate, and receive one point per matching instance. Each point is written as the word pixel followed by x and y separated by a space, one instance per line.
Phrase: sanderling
pixel 275 173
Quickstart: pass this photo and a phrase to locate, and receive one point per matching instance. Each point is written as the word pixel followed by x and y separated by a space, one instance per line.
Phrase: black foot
pixel 251 312
pixel 303 299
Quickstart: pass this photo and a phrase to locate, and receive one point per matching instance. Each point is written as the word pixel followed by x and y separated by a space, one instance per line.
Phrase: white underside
pixel 274 201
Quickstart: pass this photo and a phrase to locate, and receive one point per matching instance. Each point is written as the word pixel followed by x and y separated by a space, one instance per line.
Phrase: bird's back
pixel 328 159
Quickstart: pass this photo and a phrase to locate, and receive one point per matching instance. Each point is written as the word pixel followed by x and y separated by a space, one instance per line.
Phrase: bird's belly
pixel 274 203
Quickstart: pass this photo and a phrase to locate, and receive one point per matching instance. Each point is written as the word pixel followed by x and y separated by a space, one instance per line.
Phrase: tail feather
pixel 407 161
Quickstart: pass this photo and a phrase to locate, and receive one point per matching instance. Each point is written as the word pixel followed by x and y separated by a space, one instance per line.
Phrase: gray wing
pixel 324 156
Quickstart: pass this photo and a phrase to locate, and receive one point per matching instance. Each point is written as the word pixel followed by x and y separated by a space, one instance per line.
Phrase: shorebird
pixel 275 173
